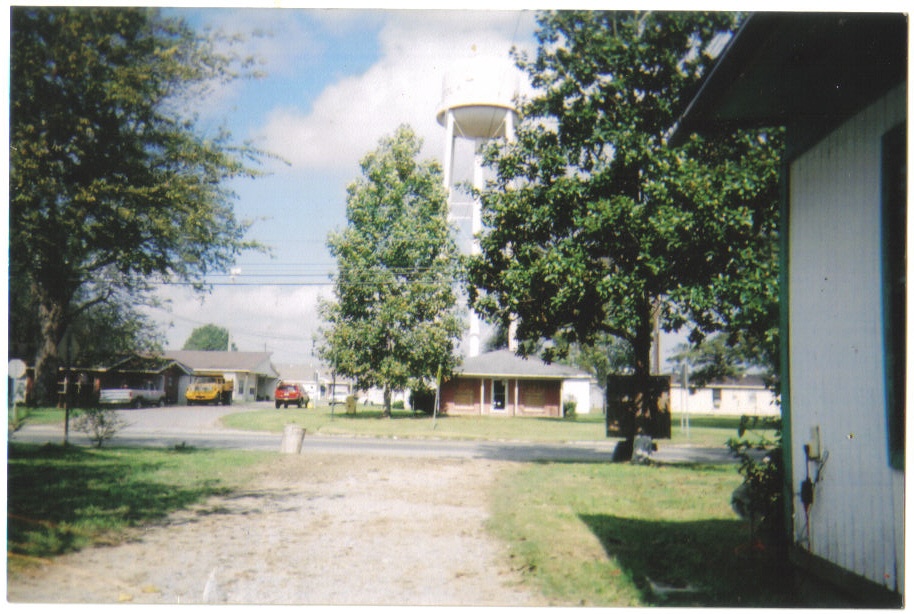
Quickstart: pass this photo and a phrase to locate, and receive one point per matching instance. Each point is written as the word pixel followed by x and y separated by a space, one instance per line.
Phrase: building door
pixel 499 394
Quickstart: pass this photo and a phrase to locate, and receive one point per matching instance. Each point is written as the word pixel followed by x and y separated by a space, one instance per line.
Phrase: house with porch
pixel 838 83
pixel 500 383
pixel 252 372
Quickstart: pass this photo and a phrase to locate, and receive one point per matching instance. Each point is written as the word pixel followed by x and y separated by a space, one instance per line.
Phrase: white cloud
pixel 404 86
pixel 277 319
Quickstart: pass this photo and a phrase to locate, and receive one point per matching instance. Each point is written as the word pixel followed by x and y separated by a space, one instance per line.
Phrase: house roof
pixel 199 360
pixel 148 364
pixel 784 68
pixel 506 363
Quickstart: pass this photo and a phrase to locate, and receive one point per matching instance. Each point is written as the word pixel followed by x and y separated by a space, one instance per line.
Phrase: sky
pixel 336 81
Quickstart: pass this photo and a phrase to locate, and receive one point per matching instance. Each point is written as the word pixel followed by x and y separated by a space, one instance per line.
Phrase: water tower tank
pixel 479 94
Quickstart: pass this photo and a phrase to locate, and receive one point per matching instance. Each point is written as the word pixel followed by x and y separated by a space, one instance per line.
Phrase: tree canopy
pixel 208 337
pixel 593 225
pixel 112 185
pixel 394 320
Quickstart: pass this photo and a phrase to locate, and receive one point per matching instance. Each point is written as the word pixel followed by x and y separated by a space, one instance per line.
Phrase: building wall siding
pixel 835 338
pixel 733 401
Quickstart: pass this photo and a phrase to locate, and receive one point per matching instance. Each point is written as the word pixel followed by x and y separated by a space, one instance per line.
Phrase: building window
pixel 716 397
pixel 499 394
pixel 894 271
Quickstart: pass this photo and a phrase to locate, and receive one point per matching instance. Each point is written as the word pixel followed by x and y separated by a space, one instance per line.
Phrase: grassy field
pixel 699 431
pixel 42 415
pixel 62 499
pixel 620 535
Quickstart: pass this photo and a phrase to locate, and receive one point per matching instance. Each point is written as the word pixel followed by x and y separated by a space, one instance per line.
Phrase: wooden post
pixel 292 438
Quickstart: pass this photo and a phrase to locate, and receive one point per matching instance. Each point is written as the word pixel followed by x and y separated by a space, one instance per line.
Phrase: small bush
pixel 100 424
pixel 570 409
pixel 760 497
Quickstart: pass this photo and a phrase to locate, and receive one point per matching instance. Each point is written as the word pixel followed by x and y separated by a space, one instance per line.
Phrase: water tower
pixel 477 104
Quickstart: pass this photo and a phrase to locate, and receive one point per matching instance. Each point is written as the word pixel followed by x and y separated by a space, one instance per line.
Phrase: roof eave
pixel 782 68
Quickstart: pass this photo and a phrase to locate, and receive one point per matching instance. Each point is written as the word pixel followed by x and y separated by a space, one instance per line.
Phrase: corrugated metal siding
pixel 836 362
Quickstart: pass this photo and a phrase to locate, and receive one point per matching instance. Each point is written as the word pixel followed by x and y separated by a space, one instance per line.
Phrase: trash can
pixel 350 404
pixel 292 438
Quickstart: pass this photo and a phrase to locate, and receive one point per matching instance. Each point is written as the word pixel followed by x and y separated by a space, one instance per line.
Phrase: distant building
pixel 736 396
pixel 500 383
pixel 320 381
pixel 252 372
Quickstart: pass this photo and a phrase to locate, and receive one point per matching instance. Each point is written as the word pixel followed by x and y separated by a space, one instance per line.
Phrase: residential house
pixel 140 371
pixel 252 372
pixel 500 383
pixel 838 82
pixel 732 396
pixel 135 371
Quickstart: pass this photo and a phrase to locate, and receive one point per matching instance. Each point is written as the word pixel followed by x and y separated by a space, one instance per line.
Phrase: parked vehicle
pixel 136 398
pixel 209 388
pixel 290 394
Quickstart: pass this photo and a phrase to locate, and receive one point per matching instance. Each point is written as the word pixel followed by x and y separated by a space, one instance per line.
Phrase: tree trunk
pixel 387 395
pixel 52 319
pixel 637 411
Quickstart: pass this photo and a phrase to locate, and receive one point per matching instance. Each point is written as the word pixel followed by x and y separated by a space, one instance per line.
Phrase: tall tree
pixel 592 224
pixel 112 185
pixel 394 320
pixel 208 337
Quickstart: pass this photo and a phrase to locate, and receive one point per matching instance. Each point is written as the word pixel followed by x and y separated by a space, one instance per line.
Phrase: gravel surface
pixel 314 529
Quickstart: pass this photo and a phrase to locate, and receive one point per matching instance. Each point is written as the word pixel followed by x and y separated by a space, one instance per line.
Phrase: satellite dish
pixel 16 368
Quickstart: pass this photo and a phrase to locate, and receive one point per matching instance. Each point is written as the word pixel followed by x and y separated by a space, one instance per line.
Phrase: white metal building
pixel 838 82
pixel 743 396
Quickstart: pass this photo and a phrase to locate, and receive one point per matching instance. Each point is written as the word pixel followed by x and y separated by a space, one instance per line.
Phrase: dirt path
pixel 328 530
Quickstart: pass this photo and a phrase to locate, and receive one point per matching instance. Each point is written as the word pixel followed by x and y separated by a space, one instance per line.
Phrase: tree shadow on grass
pixel 61 499
pixel 696 563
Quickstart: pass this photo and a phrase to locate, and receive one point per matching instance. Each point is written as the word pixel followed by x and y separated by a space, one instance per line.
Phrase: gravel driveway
pixel 323 530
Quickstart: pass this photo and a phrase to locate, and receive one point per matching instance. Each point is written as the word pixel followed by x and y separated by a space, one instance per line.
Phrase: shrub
pixel 760 498
pixel 100 424
pixel 570 409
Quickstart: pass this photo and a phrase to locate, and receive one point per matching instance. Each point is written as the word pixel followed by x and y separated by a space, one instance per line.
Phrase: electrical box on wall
pixel 814 445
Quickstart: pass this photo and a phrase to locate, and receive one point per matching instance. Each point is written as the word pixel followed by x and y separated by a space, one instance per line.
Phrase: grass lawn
pixel 43 415
pixel 404 424
pixel 618 535
pixel 64 498
pixel 700 431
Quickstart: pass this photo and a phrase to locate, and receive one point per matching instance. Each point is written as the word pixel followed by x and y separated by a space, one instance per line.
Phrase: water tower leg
pixel 474 334
pixel 449 152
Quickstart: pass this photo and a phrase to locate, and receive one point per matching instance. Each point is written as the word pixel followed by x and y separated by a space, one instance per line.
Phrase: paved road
pixel 200 427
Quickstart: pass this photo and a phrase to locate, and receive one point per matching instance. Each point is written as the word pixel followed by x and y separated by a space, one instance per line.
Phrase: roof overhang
pixel 786 68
